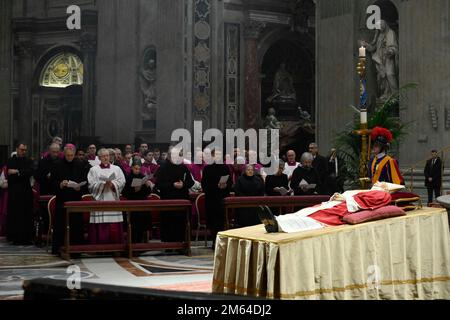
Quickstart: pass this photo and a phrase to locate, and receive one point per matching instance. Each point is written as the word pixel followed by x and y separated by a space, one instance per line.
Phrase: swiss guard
pixel 382 167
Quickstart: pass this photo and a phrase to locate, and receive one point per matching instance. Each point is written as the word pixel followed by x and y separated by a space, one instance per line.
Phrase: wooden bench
pixel 282 202
pixel 78 207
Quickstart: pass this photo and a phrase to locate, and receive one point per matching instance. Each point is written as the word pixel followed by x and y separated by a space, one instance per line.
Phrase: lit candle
pixel 363 116
pixel 362 52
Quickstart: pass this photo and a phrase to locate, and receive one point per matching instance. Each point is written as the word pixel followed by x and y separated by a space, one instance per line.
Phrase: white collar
pixel 381 155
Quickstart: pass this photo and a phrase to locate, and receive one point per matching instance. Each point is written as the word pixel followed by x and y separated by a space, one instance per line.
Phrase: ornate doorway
pixel 57 101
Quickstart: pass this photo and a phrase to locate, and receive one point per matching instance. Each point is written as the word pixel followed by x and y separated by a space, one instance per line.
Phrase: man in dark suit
pixel 433 176
pixel 320 164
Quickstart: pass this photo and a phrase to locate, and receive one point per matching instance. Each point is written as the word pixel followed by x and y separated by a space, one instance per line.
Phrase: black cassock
pixel 310 175
pixel 70 171
pixel 274 181
pixel 173 224
pixel 214 195
pixel 140 221
pixel 44 175
pixel 320 163
pixel 248 187
pixel 19 220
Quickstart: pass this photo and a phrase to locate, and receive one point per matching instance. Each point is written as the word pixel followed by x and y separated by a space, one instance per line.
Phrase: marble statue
pixel 271 121
pixel 283 86
pixel 304 115
pixel 148 85
pixel 384 51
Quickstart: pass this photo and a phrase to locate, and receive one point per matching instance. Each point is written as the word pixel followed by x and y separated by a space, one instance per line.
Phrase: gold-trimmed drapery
pixel 399 258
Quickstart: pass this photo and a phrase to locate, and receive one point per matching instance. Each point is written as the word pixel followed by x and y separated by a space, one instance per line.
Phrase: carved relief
pixel 202 59
pixel 253 29
pixel 447 118
pixel 232 66
pixel 147 77
pixel 434 117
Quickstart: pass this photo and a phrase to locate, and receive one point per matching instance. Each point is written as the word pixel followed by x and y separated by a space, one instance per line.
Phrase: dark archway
pixel 298 57
pixel 299 64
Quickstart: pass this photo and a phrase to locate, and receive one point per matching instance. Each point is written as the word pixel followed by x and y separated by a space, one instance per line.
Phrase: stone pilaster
pixel 252 31
pixel 88 45
pixel 25 51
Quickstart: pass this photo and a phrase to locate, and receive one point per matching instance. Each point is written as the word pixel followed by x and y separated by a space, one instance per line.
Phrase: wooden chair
pixel 155 216
pixel 201 217
pixel 51 209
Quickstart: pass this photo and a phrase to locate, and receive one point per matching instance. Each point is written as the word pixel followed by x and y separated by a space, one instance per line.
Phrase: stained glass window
pixel 61 71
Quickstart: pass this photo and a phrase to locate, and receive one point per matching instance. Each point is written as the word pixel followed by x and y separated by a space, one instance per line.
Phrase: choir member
pixel 92 152
pixel 128 149
pixel 196 168
pixel 173 180
pixel 157 156
pixel 163 157
pixel 121 162
pixel 143 147
pixel 19 225
pixel 81 156
pixel 106 182
pixel 291 164
pixel 276 181
pixel 70 169
pixel 149 167
pixel 248 185
pixel 215 191
pixel 58 141
pixel 44 171
pixel 140 221
pixel 307 174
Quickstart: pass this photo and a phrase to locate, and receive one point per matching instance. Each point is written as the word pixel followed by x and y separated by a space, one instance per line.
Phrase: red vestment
pixel 370 200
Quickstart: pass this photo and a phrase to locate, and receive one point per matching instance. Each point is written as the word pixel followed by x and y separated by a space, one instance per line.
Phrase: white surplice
pixel 289 170
pixel 96 178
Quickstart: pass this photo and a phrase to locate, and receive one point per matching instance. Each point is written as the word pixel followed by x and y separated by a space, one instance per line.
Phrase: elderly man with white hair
pixel 106 182
pixel 305 179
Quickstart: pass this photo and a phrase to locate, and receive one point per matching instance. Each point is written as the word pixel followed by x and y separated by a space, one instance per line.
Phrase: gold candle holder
pixel 363 131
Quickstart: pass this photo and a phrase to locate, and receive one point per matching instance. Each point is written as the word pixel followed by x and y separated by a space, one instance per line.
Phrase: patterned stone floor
pixel 151 270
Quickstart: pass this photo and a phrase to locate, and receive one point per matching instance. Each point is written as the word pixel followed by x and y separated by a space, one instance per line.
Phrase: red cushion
pixel 404 195
pixel 373 215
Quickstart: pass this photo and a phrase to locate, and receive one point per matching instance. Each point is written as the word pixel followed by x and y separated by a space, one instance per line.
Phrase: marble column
pixel 25 52
pixel 252 31
pixel 88 45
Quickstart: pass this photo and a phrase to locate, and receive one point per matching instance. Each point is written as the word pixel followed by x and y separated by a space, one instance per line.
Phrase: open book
pixel 75 185
pixel 106 178
pixel 282 190
pixel 305 184
pixel 140 182
pixel 224 179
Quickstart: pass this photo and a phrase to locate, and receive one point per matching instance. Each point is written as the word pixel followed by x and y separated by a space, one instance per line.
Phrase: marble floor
pixel 159 270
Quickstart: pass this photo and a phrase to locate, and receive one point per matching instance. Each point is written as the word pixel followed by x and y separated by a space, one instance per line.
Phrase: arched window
pixel 61 71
